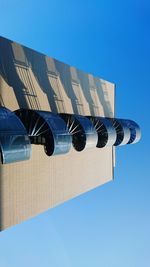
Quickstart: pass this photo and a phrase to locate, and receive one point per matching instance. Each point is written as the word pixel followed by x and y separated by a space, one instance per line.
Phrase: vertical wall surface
pixel 31 80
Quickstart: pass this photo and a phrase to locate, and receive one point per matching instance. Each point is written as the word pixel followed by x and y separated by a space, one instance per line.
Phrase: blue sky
pixel 109 226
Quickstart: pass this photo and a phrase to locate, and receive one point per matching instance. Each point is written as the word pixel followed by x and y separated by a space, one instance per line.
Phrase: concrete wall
pixel 29 79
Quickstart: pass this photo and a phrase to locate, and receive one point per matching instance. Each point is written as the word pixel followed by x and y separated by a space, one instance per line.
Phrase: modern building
pixel 57 132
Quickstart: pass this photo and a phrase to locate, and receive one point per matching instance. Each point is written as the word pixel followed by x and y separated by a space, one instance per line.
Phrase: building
pixel 57 132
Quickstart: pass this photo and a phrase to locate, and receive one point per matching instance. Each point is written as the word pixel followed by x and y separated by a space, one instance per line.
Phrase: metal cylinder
pixel 122 131
pixel 82 131
pixel 48 129
pixel 14 141
pixel 135 132
pixel 105 130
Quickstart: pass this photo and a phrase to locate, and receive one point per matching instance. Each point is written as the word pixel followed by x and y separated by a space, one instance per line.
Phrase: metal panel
pixel 122 131
pixel 106 132
pixel 135 132
pixel 14 141
pixel 48 129
pixel 82 131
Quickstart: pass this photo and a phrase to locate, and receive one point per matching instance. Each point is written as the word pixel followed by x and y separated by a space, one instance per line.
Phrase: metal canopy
pixel 82 130
pixel 14 141
pixel 128 131
pixel 48 129
pixel 57 132
pixel 135 132
pixel 105 130
pixel 122 131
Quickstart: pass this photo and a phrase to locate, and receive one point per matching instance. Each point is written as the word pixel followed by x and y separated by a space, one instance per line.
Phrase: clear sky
pixel 109 226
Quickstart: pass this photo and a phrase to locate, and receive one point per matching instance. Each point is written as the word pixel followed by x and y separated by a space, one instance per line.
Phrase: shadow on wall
pixel 1 97
pixel 102 92
pixel 14 70
pixel 66 88
pixel 39 68
pixel 66 79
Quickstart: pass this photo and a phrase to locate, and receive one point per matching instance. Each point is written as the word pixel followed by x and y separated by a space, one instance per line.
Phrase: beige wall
pixel 32 80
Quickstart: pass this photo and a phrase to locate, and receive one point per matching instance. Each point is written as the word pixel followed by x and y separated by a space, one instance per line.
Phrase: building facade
pixel 37 89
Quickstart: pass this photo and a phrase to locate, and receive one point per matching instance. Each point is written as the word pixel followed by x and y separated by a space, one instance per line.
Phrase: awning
pixel 82 130
pixel 46 128
pixel 14 141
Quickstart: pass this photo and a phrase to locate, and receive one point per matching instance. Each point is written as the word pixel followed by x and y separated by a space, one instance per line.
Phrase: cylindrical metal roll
pixel 14 142
pixel 106 132
pixel 122 131
pixel 48 129
pixel 135 132
pixel 82 131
